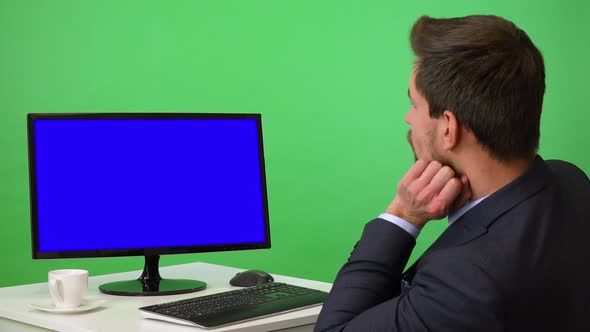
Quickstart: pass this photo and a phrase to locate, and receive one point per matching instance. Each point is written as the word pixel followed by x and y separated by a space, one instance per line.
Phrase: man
pixel 515 256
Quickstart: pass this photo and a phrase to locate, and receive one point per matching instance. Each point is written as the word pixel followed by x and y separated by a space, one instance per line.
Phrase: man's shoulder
pixel 569 177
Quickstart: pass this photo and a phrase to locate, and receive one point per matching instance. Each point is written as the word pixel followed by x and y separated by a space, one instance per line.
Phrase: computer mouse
pixel 251 278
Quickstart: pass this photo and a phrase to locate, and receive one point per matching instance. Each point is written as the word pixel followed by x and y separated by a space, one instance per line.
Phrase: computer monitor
pixel 149 184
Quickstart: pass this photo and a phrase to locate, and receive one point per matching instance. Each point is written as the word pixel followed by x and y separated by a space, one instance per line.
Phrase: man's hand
pixel 429 191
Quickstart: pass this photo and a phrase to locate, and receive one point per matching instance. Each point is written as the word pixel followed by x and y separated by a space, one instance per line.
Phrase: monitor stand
pixel 150 283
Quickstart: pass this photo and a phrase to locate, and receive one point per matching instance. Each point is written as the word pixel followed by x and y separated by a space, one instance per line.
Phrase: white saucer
pixel 87 304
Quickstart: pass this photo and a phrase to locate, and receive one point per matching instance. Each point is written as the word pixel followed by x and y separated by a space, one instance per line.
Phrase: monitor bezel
pixel 36 254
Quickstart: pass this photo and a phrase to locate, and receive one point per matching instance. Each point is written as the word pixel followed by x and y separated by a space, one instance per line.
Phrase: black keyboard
pixel 236 306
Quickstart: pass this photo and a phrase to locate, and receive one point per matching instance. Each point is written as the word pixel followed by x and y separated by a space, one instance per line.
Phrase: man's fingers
pixel 429 191
pixel 465 195
pixel 441 178
pixel 450 192
pixel 427 175
pixel 465 190
pixel 415 171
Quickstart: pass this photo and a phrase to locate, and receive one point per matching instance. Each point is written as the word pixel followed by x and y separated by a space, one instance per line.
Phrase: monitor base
pixel 150 283
pixel 161 287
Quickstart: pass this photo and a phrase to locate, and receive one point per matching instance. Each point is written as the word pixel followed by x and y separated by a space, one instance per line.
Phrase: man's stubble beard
pixel 432 151
pixel 409 137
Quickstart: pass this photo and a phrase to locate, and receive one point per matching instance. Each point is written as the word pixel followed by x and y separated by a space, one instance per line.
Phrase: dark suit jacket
pixel 518 261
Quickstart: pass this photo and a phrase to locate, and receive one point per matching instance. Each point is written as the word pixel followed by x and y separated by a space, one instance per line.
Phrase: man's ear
pixel 451 130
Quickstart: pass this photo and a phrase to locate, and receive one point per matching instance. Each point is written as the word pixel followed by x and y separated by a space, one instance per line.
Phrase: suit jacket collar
pixel 476 221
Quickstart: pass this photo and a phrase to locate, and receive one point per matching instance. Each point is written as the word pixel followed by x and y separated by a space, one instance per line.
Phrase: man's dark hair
pixel 487 72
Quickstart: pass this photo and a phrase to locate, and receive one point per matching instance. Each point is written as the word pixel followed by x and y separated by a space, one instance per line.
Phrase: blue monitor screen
pixel 112 184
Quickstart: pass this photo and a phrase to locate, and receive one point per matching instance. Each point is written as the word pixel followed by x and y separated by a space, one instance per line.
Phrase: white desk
pixel 120 313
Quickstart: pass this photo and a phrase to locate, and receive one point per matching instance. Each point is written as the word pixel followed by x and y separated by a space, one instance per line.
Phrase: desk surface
pixel 120 313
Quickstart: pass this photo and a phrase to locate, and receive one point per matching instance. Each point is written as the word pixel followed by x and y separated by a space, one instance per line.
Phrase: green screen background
pixel 329 78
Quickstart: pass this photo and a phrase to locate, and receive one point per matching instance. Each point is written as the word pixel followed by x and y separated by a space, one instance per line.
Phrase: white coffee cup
pixel 67 287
